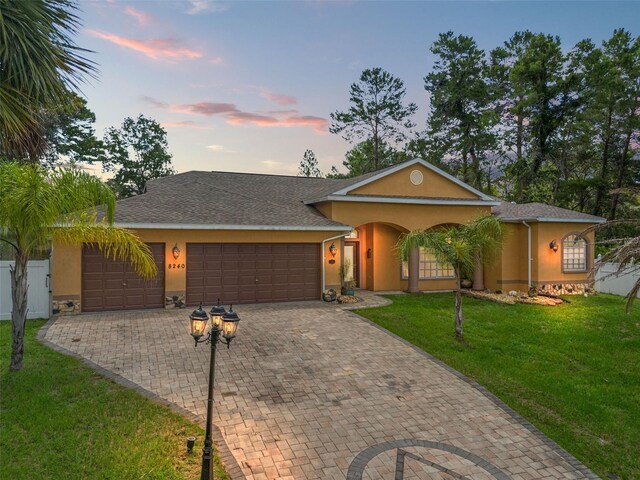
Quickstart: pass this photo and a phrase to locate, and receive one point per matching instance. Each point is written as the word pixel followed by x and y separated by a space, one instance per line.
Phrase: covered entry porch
pixel 375 263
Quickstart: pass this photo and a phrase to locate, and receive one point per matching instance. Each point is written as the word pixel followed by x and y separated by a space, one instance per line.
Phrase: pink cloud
pixel 156 49
pixel 320 125
pixel 234 116
pixel 279 98
pixel 141 17
pixel 207 109
pixel 186 124
pixel 243 118
pixel 216 60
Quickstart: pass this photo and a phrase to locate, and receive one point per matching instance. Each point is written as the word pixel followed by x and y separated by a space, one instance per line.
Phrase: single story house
pixel 248 238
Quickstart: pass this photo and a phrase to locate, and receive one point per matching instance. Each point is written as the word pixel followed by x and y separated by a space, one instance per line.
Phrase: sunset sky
pixel 248 86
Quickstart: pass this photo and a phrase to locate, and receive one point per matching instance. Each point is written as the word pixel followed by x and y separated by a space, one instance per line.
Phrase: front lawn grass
pixel 572 370
pixel 59 419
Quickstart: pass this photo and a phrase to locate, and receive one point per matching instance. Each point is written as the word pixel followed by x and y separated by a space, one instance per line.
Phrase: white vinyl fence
pixel 618 285
pixel 39 301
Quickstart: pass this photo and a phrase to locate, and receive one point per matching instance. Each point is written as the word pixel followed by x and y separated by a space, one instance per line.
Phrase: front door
pixel 351 253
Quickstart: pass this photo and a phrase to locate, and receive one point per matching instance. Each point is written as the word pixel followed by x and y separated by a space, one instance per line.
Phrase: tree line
pixel 133 153
pixel 526 121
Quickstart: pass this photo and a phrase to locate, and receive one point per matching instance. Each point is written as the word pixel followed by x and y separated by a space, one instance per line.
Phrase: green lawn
pixel 572 370
pixel 59 419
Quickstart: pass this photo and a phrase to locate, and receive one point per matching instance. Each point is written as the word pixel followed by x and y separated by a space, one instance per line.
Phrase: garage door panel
pixel 109 284
pixel 211 265
pixel 213 281
pixel 93 285
pixel 283 272
pixel 265 264
pixel 113 302
pixel 93 268
pixel 111 267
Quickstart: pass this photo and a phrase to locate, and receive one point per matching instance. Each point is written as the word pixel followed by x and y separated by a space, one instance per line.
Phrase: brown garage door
pixel 109 284
pixel 250 273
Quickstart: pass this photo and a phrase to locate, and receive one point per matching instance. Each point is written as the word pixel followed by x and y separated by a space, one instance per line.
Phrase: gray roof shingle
pixel 541 212
pixel 245 199
pixel 221 198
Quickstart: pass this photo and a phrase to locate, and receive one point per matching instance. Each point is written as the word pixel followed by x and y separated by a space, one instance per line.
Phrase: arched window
pixel 574 253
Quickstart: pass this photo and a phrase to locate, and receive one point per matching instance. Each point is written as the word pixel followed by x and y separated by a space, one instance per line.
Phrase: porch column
pixel 414 270
pixel 478 277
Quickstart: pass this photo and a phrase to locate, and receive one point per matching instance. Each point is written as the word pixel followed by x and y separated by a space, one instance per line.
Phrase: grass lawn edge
pixel 223 452
pixel 568 457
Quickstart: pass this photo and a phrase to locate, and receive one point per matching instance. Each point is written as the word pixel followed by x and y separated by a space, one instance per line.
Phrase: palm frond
pixel 34 201
pixel 460 245
pixel 42 61
pixel 487 233
pixel 114 242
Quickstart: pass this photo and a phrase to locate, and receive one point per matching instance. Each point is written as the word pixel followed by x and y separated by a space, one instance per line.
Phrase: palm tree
pixel 624 253
pixel 38 63
pixel 39 206
pixel 461 246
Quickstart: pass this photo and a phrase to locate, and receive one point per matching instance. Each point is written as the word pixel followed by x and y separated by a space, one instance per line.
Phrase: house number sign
pixel 176 265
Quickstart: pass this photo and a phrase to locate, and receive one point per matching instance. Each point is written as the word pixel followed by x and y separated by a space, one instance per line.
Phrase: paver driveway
pixel 311 391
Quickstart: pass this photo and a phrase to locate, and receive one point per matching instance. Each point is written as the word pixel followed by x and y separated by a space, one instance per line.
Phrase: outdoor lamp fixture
pixel 553 245
pixel 332 249
pixel 223 324
pixel 176 251
pixel 191 441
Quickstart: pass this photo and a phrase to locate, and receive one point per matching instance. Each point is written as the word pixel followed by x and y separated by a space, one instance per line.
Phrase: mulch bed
pixel 513 299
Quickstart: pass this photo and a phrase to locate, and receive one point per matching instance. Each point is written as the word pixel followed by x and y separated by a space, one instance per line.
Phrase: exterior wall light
pixel 223 324
pixel 176 251
pixel 553 245
pixel 333 250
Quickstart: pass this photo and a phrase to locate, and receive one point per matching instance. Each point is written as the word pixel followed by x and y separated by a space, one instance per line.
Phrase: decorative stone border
pixel 224 453
pixel 570 459
pixel 359 464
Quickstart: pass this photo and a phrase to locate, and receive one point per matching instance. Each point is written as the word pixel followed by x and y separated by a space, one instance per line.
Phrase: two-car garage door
pixel 234 272
pixel 252 273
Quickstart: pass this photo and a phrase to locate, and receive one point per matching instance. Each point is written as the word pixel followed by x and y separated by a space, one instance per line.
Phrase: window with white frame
pixel 574 253
pixel 430 268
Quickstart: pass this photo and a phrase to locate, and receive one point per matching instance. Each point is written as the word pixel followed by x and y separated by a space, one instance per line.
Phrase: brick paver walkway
pixel 311 391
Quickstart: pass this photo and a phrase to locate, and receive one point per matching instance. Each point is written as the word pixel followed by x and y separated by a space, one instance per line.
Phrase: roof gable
pixel 416 179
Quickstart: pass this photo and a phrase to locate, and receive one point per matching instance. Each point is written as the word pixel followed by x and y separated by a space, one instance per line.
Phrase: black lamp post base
pixel 207 464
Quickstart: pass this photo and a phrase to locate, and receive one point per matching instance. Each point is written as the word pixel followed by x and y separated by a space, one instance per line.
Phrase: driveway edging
pixel 573 461
pixel 224 453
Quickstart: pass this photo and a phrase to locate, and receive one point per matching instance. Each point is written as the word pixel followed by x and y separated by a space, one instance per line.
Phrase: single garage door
pixel 252 273
pixel 109 284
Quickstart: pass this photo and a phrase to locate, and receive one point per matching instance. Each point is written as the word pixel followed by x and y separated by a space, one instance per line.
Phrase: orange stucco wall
pixel 383 268
pixel 399 184
pixel 547 263
pixel 510 270
pixel 67 260
pixel 66 271
pixel 406 216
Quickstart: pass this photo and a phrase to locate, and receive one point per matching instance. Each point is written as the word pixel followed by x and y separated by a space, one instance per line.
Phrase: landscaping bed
pixel 572 370
pixel 61 419
pixel 512 298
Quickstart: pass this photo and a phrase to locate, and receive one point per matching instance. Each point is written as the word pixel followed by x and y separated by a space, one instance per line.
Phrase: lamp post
pixel 223 324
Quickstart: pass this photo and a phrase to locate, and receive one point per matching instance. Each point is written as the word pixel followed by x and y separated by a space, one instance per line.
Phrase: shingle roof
pixel 221 198
pixel 541 212
pixel 226 199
